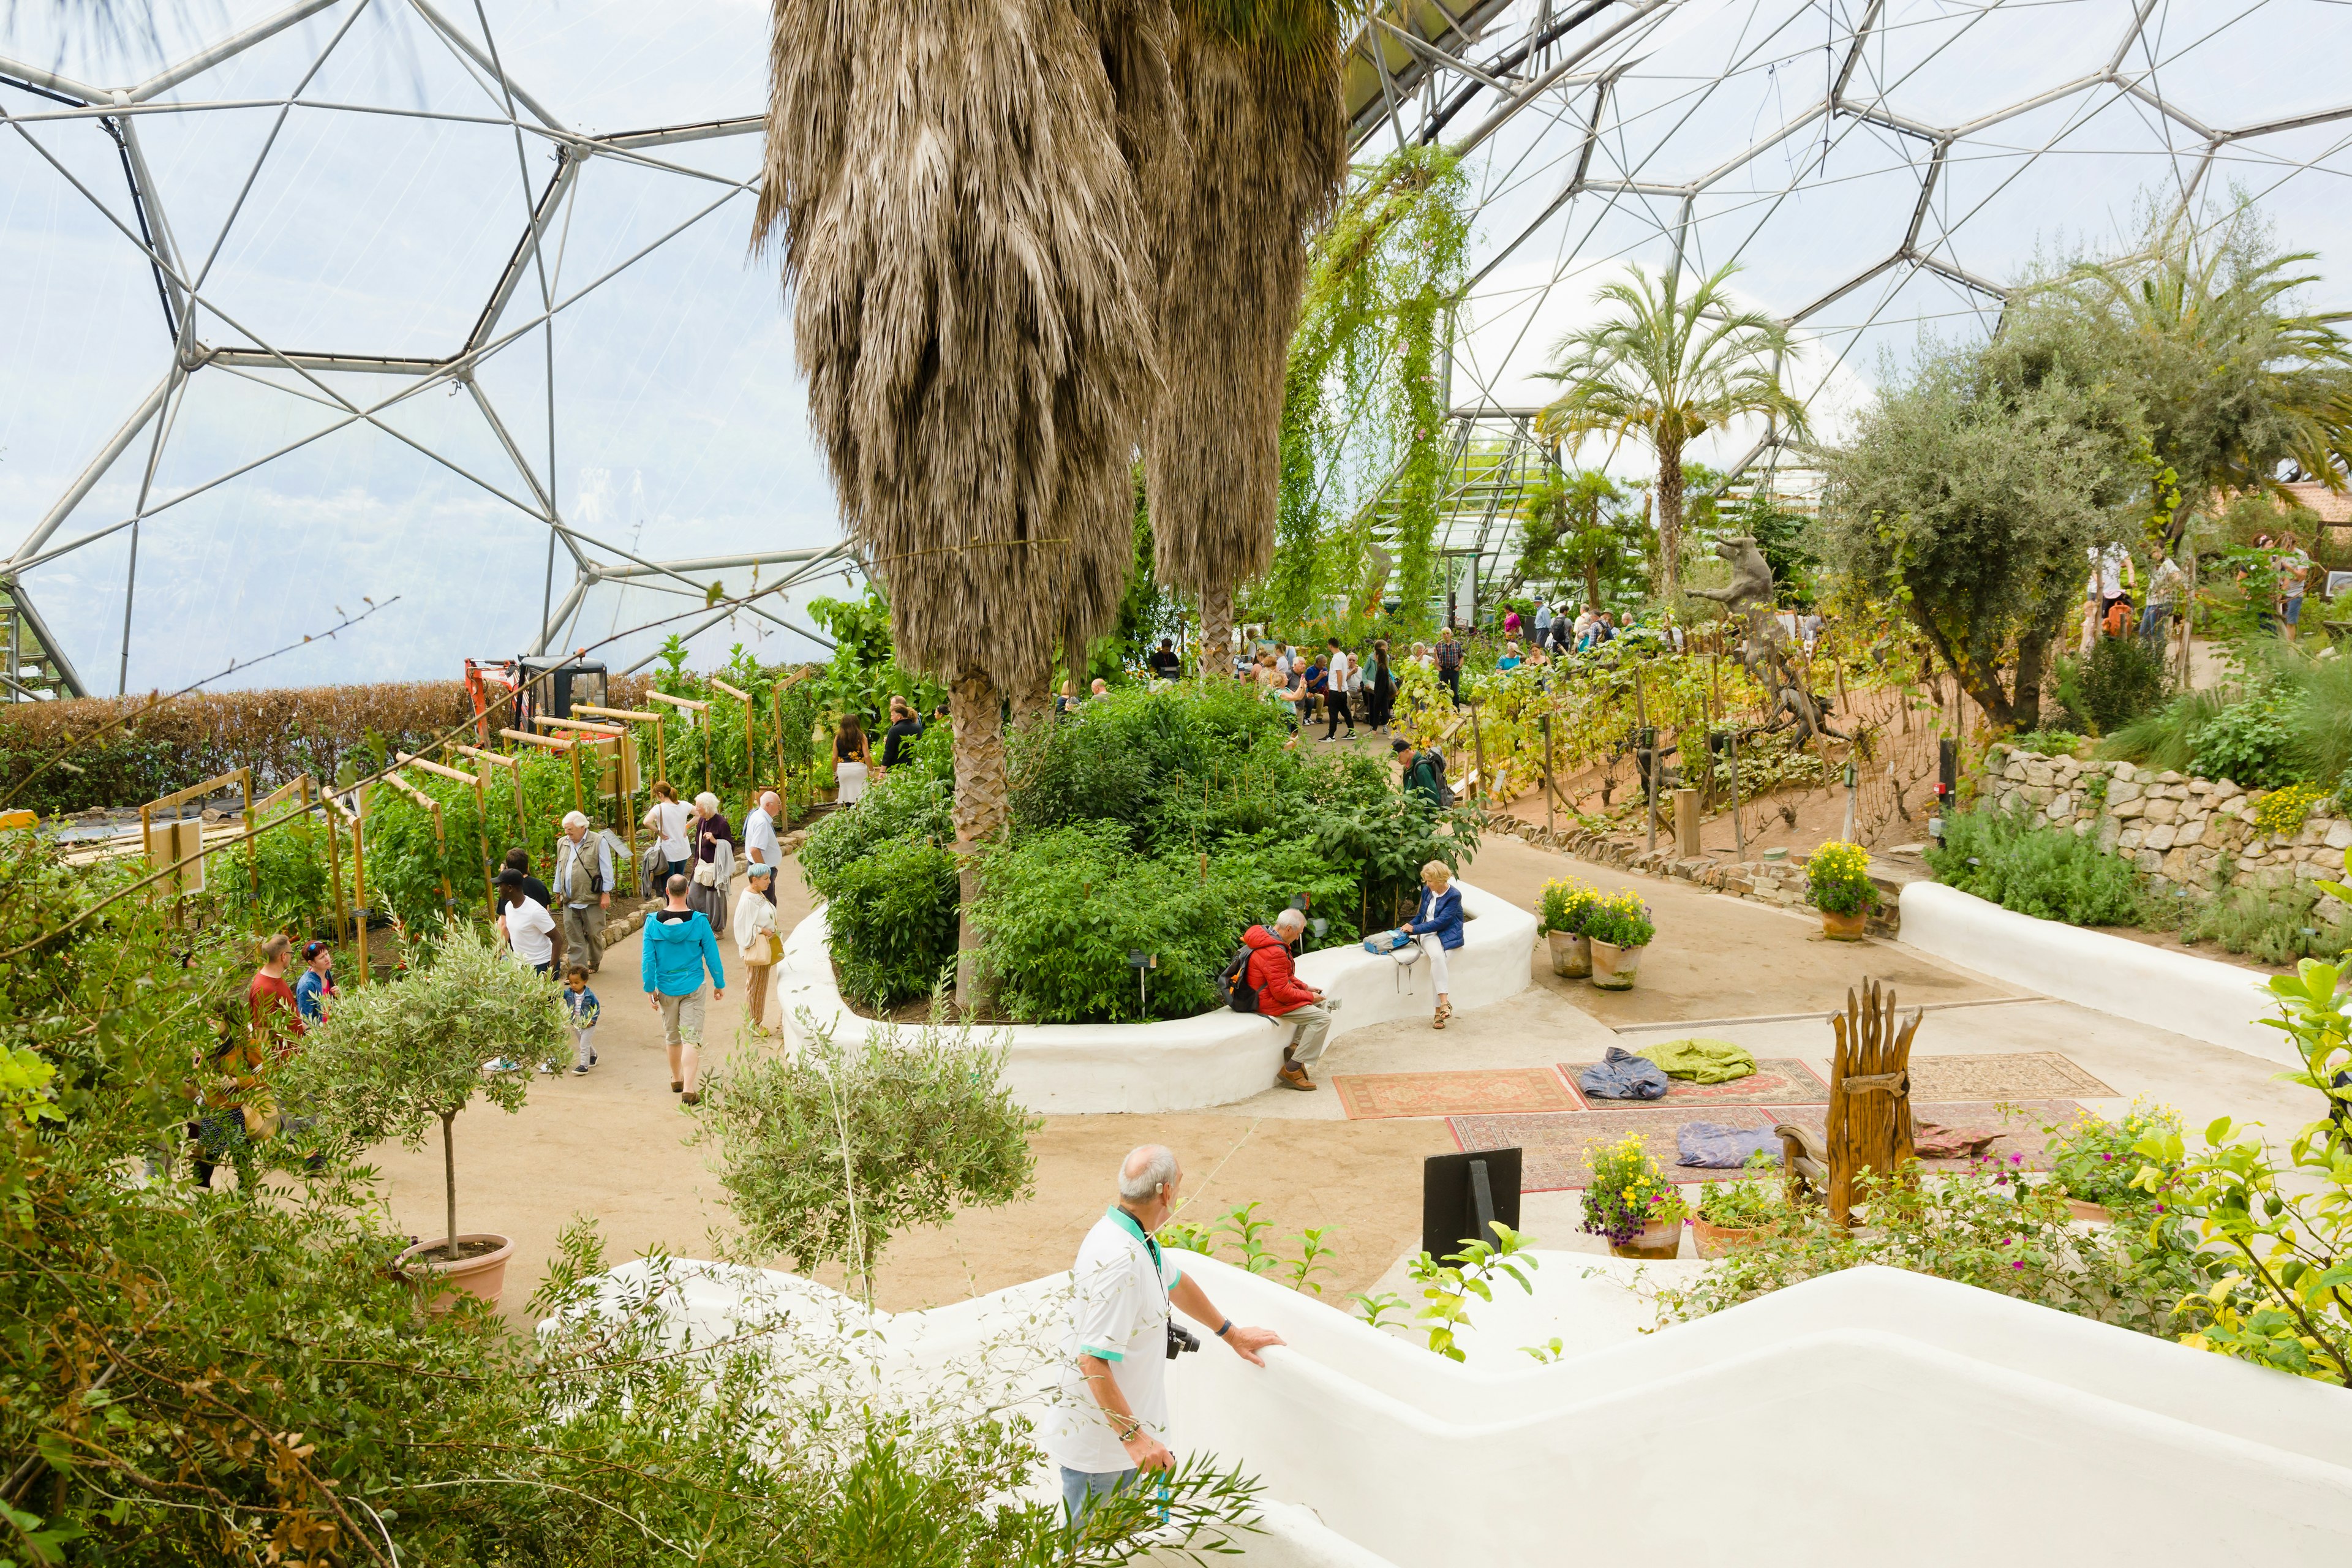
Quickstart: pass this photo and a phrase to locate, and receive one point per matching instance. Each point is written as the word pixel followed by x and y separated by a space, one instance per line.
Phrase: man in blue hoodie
pixel 676 947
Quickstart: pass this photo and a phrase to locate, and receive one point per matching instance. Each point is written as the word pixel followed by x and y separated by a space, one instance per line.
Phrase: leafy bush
pixel 2095 1159
pixel 1990 1230
pixel 2046 743
pixel 1749 1204
pixel 2270 925
pixel 892 915
pixel 1063 909
pixel 2247 743
pixel 2117 683
pixel 2036 869
pixel 908 805
pixel 1837 880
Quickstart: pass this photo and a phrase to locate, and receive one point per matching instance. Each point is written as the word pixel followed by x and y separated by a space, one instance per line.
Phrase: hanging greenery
pixel 1364 404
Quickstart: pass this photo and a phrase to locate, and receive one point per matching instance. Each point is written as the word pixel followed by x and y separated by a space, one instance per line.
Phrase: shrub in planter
pixel 906 805
pixel 1565 903
pixel 1837 880
pixel 393 1059
pixel 1629 1194
pixel 1620 918
pixel 1732 1213
pixel 892 919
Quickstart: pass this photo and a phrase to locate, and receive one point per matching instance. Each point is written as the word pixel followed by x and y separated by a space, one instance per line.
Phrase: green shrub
pixel 2117 683
pixel 2046 743
pixel 2247 743
pixel 892 916
pixel 2270 925
pixel 2023 865
pixel 909 805
pixel 1061 910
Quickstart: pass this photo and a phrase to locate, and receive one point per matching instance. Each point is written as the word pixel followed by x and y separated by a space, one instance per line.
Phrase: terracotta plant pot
pixel 2096 1214
pixel 1843 928
pixel 1571 954
pixel 1658 1239
pixel 1613 967
pixel 483 1276
pixel 1720 1240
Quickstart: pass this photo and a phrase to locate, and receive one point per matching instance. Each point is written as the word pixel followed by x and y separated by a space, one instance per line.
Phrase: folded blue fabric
pixel 1711 1146
pixel 1622 1074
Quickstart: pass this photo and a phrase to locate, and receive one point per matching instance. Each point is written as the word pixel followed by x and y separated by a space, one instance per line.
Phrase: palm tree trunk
pixel 980 808
pixel 1669 518
pixel 1032 700
pixel 450 1180
pixel 1216 631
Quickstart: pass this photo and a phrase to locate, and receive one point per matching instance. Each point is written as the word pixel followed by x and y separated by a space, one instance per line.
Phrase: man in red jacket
pixel 1281 995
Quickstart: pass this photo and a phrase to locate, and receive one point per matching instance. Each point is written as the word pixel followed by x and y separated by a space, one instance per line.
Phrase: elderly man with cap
pixel 583 887
pixel 758 939
pixel 1110 1422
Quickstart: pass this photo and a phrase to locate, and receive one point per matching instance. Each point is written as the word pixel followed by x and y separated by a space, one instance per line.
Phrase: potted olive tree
pixel 1618 927
pixel 1566 901
pixel 392 1060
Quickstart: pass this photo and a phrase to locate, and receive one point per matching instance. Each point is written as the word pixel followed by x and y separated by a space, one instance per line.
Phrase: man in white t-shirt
pixel 1110 1421
pixel 529 929
pixel 1339 680
pixel 761 845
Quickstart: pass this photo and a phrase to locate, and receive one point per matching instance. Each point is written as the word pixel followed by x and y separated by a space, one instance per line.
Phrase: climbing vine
pixel 1364 402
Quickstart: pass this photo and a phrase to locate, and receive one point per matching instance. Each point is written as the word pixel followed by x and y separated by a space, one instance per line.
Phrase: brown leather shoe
pixel 1293 1076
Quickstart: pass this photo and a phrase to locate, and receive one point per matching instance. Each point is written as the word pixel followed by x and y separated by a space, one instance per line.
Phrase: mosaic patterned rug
pixel 1777 1080
pixel 1555 1142
pixel 1370 1097
pixel 2027 1075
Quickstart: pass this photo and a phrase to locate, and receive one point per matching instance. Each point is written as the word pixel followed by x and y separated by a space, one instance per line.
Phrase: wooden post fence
pixel 514 772
pixel 692 706
pixel 751 739
pixel 482 815
pixel 440 837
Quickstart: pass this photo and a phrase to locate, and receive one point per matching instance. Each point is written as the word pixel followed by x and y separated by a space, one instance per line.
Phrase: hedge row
pixel 277 733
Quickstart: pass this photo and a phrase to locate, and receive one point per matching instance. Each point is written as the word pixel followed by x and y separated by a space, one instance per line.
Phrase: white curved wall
pixel 1866 1417
pixel 1215 1058
pixel 2216 1003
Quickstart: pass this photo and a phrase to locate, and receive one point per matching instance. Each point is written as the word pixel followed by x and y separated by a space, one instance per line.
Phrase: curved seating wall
pixel 1215 1058
pixel 2216 1003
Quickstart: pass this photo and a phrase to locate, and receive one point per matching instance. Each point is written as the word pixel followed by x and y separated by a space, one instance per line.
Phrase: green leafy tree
pixel 1976 488
pixel 1673 361
pixel 828 1152
pixel 392 1060
pixel 1578 527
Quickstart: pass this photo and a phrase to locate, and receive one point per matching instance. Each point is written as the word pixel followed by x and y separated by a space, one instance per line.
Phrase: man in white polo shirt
pixel 1111 1420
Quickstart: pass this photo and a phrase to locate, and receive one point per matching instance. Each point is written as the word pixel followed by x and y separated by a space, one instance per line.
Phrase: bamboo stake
pixel 334 858
pixel 751 739
pixel 440 837
pixel 482 816
pixel 245 776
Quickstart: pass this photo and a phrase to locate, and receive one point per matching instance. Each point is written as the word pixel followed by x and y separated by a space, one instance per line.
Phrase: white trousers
pixel 1434 946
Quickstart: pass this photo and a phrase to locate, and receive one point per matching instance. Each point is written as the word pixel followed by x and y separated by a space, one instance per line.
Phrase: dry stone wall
pixel 2184 832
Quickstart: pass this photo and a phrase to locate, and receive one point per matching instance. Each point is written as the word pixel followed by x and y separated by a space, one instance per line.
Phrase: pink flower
pixel 2019 1264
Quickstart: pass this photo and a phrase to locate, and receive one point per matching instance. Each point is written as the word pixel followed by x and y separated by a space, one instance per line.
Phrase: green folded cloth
pixel 1703 1061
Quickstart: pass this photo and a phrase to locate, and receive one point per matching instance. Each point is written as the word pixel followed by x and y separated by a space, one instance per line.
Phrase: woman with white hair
pixel 758 940
pixel 714 862
pixel 1437 927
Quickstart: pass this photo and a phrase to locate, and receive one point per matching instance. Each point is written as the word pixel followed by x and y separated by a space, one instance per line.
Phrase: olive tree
pixel 827 1152
pixel 391 1061
pixel 1976 488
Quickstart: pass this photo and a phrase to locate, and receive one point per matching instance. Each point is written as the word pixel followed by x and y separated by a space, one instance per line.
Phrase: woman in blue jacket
pixel 1438 928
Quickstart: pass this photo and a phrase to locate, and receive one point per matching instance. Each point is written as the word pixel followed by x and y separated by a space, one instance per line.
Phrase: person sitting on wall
pixel 1282 995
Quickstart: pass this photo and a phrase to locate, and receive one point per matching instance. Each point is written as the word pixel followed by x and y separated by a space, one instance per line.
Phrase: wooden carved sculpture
pixel 1870 1104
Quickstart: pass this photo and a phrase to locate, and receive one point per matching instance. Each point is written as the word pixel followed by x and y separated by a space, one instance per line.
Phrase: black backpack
pixel 1233 982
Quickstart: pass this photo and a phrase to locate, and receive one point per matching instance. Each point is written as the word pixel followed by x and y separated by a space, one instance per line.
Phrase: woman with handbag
pixel 671 822
pixel 714 862
pixel 758 941
pixel 853 759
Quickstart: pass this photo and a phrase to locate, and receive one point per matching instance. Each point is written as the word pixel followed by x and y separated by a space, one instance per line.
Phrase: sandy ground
pixel 614 1144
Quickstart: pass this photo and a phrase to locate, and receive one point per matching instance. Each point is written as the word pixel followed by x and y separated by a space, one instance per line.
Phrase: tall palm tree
pixel 1257 98
pixel 1667 366
pixel 967 253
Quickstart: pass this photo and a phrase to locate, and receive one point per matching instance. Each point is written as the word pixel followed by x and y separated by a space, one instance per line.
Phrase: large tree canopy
pixel 1975 489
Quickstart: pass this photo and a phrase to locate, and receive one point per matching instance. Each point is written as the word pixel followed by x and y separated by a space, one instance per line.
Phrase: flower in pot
pixel 1837 883
pixel 2096 1161
pixel 1631 1202
pixel 392 1059
pixel 1565 903
pixel 1732 1214
pixel 1618 927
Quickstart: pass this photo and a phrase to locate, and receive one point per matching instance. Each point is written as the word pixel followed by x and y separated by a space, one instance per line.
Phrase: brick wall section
pixel 1780 883
pixel 2172 827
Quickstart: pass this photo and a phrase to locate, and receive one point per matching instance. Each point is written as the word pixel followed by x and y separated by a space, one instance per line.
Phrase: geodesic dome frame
pixel 208 333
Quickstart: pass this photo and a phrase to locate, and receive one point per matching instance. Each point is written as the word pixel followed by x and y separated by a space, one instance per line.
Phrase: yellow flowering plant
pixel 1565 903
pixel 2280 810
pixel 1620 918
pixel 1837 880
pixel 1628 1191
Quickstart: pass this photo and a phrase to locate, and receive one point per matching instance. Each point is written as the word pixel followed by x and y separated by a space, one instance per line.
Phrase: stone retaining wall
pixel 2175 827
pixel 1780 883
